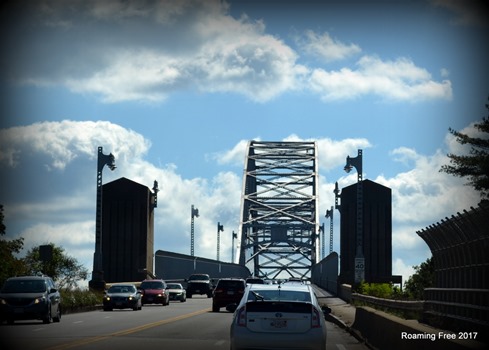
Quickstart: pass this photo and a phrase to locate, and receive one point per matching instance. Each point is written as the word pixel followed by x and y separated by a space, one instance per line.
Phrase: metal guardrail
pixel 467 305
pixel 401 306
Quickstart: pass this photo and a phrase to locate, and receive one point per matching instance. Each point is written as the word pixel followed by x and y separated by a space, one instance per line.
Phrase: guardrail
pixel 408 309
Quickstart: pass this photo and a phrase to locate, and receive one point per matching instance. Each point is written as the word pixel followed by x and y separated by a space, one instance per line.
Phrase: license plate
pixel 197 290
pixel 279 323
pixel 150 299
pixel 118 303
pixel 230 292
pixel 19 310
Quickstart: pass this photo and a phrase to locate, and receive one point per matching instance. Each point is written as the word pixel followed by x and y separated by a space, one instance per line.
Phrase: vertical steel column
pixel 97 281
pixel 359 257
pixel 330 214
pixel 220 229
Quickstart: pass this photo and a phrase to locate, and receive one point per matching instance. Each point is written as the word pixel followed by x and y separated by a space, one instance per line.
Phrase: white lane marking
pixel 340 347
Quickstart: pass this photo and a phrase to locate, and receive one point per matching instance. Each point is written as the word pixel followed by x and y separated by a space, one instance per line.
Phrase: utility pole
pixel 220 228
pixel 235 236
pixel 194 213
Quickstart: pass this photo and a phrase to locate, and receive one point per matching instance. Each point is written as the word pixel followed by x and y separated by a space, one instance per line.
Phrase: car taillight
pixel 315 320
pixel 241 317
pixel 218 290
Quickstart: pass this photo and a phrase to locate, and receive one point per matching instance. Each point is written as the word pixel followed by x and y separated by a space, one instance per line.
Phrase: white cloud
pixel 325 47
pixel 64 141
pixel 398 80
pixel 423 193
pixel 145 51
pixel 234 156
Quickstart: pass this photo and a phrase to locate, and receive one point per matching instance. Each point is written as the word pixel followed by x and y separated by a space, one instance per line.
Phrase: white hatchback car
pixel 283 316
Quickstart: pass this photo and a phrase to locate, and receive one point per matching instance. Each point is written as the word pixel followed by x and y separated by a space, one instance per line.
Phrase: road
pixel 181 326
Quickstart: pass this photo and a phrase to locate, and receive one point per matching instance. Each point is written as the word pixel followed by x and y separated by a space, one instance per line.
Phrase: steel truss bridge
pixel 279 225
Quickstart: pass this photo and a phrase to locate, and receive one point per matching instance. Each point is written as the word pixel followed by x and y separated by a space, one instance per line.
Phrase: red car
pixel 154 292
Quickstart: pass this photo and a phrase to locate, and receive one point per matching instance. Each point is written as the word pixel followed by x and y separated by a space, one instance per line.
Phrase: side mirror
pixel 326 310
pixel 231 307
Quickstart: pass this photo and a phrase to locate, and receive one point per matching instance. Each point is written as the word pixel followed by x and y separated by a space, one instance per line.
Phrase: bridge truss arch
pixel 279 223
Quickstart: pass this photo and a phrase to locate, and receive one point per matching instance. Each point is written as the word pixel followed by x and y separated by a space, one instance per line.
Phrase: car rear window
pixel 278 294
pixel 230 284
pixel 198 278
pixel 273 306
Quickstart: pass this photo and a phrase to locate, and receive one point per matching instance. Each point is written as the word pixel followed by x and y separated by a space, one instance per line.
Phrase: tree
pixel 424 277
pixel 65 270
pixel 10 266
pixel 474 166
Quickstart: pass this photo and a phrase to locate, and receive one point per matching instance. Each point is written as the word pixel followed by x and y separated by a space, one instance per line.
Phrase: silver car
pixel 176 292
pixel 279 316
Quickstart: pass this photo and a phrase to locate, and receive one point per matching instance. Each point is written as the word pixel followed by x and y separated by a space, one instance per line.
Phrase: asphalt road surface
pixel 179 326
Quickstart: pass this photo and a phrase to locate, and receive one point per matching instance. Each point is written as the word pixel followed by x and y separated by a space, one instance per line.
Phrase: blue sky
pixel 175 90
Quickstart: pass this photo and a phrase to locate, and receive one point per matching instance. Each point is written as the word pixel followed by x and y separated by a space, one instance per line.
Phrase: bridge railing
pixel 409 309
pixel 469 308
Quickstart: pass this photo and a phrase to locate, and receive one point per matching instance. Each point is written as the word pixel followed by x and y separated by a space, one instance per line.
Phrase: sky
pixel 176 89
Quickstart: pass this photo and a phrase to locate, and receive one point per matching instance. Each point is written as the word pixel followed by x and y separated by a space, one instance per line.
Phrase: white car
pixel 278 316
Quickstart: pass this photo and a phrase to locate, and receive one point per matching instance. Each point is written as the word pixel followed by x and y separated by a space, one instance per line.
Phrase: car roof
pixel 154 280
pixel 231 279
pixel 291 286
pixel 29 278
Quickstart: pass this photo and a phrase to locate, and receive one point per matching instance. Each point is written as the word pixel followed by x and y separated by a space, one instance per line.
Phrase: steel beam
pixel 279 224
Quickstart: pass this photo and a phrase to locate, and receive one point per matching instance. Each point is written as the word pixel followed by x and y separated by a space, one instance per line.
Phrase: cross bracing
pixel 279 209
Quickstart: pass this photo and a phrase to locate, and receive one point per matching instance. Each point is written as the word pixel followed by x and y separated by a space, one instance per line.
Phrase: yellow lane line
pixel 81 342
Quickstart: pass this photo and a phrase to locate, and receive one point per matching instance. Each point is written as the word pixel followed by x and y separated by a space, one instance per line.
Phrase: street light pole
pixel 97 281
pixel 235 235
pixel 220 228
pixel 194 213
pixel 359 257
pixel 329 214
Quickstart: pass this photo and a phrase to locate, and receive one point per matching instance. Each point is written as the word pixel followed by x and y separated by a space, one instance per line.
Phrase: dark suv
pixel 30 298
pixel 227 291
pixel 154 292
pixel 199 283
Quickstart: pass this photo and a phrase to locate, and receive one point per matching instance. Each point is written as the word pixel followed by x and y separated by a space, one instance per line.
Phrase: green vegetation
pixel 76 299
pixel 475 164
pixel 65 270
pixel 424 277
pixel 379 290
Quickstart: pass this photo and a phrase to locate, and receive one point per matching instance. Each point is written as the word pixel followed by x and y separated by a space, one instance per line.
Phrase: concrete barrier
pixel 381 331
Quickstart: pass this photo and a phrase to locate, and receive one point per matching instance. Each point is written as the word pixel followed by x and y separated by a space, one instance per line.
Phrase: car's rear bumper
pixel 153 299
pixel 243 338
